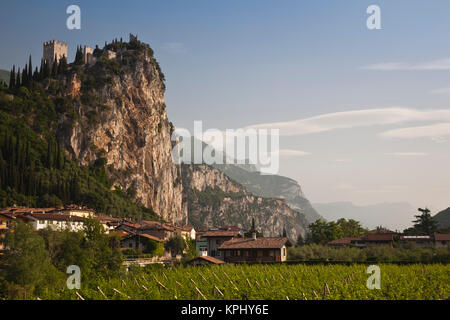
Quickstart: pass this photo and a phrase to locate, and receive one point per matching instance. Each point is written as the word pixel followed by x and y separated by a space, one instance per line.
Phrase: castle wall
pixel 54 48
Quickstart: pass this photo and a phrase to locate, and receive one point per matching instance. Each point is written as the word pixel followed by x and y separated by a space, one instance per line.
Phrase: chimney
pixel 254 235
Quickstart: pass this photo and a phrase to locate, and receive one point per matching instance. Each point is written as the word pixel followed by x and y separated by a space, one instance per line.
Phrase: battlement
pixel 52 49
pixel 55 43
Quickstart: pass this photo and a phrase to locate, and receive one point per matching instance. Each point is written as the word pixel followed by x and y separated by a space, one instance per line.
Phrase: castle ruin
pixel 54 49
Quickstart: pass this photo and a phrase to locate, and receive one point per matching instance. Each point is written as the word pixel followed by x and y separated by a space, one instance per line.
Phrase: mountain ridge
pixel 397 215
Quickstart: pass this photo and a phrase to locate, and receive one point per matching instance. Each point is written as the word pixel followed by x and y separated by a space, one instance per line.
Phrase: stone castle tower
pixel 54 48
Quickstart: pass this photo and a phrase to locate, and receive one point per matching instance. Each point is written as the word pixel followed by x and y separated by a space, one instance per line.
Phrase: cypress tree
pixel 30 69
pixel 49 160
pixel 25 76
pixel 62 68
pixel 36 74
pixel 55 67
pixel 58 156
pixel 18 79
pixel 12 77
pixel 45 70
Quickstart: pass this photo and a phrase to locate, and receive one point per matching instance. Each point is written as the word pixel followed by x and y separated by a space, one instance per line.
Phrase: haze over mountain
pixel 263 185
pixel 395 216
pixel 443 218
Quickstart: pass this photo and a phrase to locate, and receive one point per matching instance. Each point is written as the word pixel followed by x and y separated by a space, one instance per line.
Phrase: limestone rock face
pixel 213 199
pixel 131 131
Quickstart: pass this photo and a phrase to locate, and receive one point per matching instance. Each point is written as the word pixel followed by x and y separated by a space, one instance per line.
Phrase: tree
pixel 55 67
pixel 102 258
pixel 62 68
pixel 12 77
pixel 28 263
pixel 175 245
pixel 424 223
pixel 190 250
pixel 30 69
pixel 351 228
pixel 79 56
pixel 323 232
pixel 18 79
pixel 25 76
pixel 300 240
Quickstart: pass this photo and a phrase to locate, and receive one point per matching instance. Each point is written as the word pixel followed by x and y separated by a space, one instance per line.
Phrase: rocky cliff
pixel 272 186
pixel 116 119
pixel 213 199
pixel 121 120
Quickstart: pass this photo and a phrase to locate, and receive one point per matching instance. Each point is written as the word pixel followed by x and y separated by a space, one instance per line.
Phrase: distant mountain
pixel 271 186
pixel 4 76
pixel 443 218
pixel 214 199
pixel 267 186
pixel 390 215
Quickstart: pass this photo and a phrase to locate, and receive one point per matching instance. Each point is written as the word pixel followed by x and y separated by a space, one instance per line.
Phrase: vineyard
pixel 258 282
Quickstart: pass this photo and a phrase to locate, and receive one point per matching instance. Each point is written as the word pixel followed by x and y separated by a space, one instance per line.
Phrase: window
pixel 284 251
pixel 218 242
pixel 213 253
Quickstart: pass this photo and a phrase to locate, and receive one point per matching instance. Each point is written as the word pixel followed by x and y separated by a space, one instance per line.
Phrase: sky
pixel 363 114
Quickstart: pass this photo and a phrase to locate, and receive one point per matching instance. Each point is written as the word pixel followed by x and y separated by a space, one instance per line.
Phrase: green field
pixel 281 282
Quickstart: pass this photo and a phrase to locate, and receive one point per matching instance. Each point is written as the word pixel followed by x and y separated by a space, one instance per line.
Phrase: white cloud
pixel 345 186
pixel 441 64
pixel 290 153
pixel 407 154
pixel 433 131
pixel 441 91
pixel 351 119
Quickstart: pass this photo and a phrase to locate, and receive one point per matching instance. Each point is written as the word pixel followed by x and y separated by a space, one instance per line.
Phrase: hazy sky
pixel 364 114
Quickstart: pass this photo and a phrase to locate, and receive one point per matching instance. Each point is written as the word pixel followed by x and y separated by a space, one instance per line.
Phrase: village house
pixel 372 239
pixel 215 238
pixel 71 210
pixel 138 241
pixel 264 249
pixel 108 223
pixel 41 221
pixel 186 232
pixel 158 229
pixel 441 240
pixel 201 243
pixel 420 241
pixel 202 260
pixel 5 226
pixel 347 241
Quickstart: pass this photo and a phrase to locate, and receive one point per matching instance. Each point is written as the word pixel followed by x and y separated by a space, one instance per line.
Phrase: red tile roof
pixel 258 243
pixel 106 218
pixel 379 237
pixel 220 233
pixel 441 237
pixel 144 235
pixel 157 225
pixel 55 217
pixel 209 259
pixel 346 240
pixel 118 233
